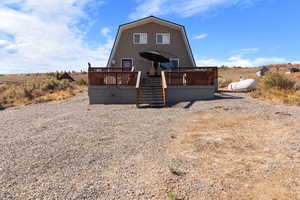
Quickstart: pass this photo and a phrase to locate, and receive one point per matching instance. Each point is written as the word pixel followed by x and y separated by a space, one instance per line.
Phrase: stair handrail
pixel 164 87
pixel 138 88
pixel 138 80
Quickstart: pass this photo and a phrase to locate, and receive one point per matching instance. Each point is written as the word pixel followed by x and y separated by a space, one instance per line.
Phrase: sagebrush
pixel 35 91
pixel 277 86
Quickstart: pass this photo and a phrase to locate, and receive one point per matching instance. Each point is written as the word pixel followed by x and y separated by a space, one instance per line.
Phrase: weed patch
pixel 276 86
pixel 36 91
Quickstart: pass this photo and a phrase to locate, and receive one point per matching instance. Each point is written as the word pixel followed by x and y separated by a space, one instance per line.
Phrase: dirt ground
pixel 232 147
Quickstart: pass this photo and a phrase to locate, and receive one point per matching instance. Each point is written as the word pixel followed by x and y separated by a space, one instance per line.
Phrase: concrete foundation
pixel 127 94
pixel 112 94
pixel 178 94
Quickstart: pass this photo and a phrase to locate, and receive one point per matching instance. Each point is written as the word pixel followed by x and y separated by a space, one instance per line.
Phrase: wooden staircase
pixel 151 93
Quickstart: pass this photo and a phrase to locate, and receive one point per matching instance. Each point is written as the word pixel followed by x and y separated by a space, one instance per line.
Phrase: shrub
pixel 276 86
pixel 81 82
pixel 224 82
pixel 277 80
pixel 52 74
pixel 48 84
pixel 52 85
pixel 38 90
pixel 27 93
pixel 172 196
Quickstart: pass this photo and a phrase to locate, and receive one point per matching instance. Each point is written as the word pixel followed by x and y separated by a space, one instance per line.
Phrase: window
pixel 127 62
pixel 174 62
pixel 162 38
pixel 140 38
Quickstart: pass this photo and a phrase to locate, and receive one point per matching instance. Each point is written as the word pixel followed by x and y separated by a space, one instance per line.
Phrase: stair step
pixel 153 105
pixel 151 102
pixel 153 82
pixel 151 93
pixel 151 86
pixel 152 98
pixel 149 90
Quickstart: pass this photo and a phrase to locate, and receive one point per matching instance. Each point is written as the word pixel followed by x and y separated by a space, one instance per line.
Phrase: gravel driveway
pixel 72 150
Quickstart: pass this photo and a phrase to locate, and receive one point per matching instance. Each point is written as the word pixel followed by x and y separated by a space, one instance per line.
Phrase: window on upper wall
pixel 162 38
pixel 140 38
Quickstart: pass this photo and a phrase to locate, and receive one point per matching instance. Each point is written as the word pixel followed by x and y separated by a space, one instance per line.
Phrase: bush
pixel 52 85
pixel 224 82
pixel 81 82
pixel 27 93
pixel 171 196
pixel 38 90
pixel 276 86
pixel 49 84
pixel 52 74
pixel 279 81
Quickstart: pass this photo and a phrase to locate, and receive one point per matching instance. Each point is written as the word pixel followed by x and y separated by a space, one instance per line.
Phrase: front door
pixel 127 62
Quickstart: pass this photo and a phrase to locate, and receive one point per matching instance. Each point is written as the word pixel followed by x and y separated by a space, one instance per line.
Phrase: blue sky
pixel 50 35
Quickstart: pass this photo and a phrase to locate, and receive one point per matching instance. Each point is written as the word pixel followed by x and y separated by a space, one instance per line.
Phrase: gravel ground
pixel 72 150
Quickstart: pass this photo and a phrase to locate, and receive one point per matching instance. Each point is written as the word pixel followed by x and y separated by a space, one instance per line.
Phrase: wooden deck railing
pixel 184 69
pixel 111 69
pixel 193 76
pixel 164 87
pixel 138 88
pixel 98 76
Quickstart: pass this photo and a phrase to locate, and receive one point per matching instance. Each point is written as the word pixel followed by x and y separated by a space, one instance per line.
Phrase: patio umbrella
pixel 154 56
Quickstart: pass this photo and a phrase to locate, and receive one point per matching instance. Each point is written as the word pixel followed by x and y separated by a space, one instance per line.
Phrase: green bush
pixel 172 196
pixel 279 81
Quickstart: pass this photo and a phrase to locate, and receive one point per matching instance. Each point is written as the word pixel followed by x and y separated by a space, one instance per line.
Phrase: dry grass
pixel 277 86
pixel 235 74
pixel 32 89
pixel 242 156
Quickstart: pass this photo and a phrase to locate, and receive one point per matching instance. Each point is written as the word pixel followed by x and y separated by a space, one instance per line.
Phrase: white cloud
pixel 146 8
pixel 241 61
pixel 46 36
pixel 201 36
pixel 184 8
pixel 246 51
pixel 105 31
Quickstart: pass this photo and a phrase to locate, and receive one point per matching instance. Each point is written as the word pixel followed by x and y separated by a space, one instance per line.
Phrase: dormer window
pixel 162 38
pixel 140 38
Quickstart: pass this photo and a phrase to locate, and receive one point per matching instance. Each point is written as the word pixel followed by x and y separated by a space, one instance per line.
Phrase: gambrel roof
pixel 148 20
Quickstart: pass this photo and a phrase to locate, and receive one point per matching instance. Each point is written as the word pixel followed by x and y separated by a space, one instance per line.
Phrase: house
pixel 149 34
pixel 262 71
pixel 293 70
pixel 151 63
pixel 64 76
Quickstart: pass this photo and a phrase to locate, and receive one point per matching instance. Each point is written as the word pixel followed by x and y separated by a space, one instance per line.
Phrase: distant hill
pixel 282 66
